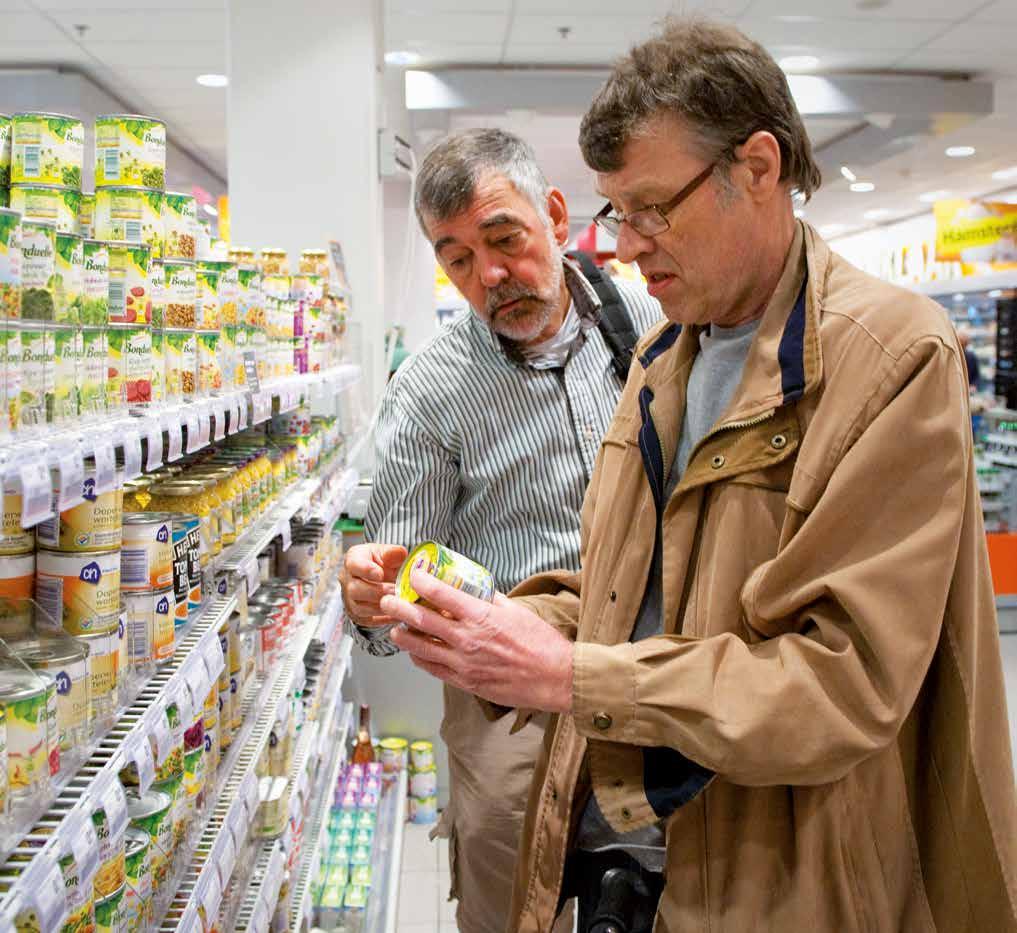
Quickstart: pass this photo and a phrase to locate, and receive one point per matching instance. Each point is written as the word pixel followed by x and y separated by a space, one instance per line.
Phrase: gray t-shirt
pixel 715 375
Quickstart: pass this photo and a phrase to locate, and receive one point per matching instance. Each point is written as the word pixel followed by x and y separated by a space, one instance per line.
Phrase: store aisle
pixel 424 884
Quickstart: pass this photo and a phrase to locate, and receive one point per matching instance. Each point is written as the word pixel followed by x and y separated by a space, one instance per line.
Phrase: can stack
pixel 146 578
pixel 422 784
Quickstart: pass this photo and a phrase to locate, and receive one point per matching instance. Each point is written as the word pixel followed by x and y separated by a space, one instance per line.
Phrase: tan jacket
pixel 823 724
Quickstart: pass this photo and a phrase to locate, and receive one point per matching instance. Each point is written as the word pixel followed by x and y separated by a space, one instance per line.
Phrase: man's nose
pixel 630 244
pixel 492 273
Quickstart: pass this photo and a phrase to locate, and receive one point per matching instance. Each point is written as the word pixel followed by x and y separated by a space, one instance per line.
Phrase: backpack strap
pixel 615 323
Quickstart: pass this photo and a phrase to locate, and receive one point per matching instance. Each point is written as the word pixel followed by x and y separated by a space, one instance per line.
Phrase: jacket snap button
pixel 779 442
pixel 614 595
pixel 717 462
pixel 602 721
pixel 626 813
pixel 618 782
pixel 554 793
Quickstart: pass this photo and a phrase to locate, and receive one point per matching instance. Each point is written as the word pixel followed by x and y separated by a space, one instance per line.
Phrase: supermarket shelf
pixel 168 430
pixel 195 665
pixel 965 285
pixel 387 860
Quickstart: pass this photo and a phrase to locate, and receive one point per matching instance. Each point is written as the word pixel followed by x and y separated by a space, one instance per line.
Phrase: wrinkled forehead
pixel 495 203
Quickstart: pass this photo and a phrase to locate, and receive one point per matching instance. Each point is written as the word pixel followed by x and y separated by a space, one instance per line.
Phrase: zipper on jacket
pixel 733 426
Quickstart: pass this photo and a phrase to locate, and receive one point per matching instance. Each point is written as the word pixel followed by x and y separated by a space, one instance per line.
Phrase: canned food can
pixel 23 698
pixel 67 661
pixel 81 590
pixel 130 150
pixel 55 204
pixel 173 788
pixel 446 565
pixel 180 217
pixel 123 659
pixel 38 374
pixel 173 764
pixel 207 316
pixel 38 268
pixel 394 753
pixel 130 215
pixel 109 911
pixel 92 525
pixel 69 278
pixel 80 898
pixel 191 526
pixel 95 283
pixel 129 298
pixel 48 148
pixel 158 366
pixel 14 539
pixel 17 586
pixel 111 875
pixel 150 623
pixel 103 672
pixel 146 555
pixel 5 151
pixel 92 382
pixel 180 353
pixel 137 905
pixel 423 809
pixel 67 360
pixel 181 293
pixel 129 380
pixel 10 265
pixel 152 813
pixel 157 293
pixel 86 214
pixel 209 368
pixel 52 725
pixel 421 756
pixel 181 583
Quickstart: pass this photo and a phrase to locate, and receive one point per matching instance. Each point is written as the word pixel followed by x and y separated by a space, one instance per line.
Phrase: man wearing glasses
pixel 776 682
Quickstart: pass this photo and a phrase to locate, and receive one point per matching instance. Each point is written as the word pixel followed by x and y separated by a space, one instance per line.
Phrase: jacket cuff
pixel 604 691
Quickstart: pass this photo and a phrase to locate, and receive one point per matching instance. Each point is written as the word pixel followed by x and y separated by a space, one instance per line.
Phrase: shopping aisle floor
pixel 425 879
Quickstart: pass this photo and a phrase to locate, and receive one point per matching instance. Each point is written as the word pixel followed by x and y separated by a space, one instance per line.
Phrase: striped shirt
pixel 491 456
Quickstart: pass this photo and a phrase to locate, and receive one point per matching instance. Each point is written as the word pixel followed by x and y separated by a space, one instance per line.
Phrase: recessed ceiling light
pixel 211 211
pixel 863 187
pixel 795 63
pixel 877 213
pixel 848 174
pixel 212 80
pixel 401 57
pixel 931 196
pixel 959 296
pixel 829 230
pixel 996 293
pixel 1005 174
pixel 960 152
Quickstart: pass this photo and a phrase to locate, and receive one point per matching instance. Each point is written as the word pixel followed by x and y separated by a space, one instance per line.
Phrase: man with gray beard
pixel 486 442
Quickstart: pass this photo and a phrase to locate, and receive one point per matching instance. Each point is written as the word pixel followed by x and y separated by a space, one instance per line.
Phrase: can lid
pixel 106 189
pixel 136 840
pixel 147 518
pixel 50 650
pixel 24 114
pixel 127 116
pixel 10 210
pixel 44 224
pixel 23 185
pixel 18 684
pixel 141 805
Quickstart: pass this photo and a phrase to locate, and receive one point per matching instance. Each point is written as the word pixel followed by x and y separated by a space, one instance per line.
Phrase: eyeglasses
pixel 652 220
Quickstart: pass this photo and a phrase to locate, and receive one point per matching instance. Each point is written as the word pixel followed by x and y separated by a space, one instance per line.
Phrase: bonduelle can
pixel 38 269
pixel 23 696
pixel 95 283
pixel 47 148
pixel 5 151
pixel 146 554
pixel 109 911
pixel 82 590
pixel 129 300
pixel 449 567
pixel 137 906
pixel 130 215
pixel 69 278
pixel 10 265
pixel 129 354
pixel 56 204
pixel 92 525
pixel 86 214
pixel 92 381
pixel 180 217
pixel 111 875
pixel 151 813
pixel 130 150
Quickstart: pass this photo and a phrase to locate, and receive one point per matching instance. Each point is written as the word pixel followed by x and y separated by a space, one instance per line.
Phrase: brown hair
pixel 715 80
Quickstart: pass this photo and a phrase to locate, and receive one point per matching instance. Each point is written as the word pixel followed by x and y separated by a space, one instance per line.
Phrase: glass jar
pixel 138 494
pixel 189 498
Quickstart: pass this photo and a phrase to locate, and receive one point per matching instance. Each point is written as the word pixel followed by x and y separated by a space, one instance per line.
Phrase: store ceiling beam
pixel 838 96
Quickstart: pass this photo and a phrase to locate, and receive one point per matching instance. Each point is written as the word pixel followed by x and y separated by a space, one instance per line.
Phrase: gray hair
pixel 447 178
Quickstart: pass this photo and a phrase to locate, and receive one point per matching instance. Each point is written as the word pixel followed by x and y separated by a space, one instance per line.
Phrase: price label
pixel 251 370
pixel 71 467
pixel 182 698
pixel 113 801
pixel 84 844
pixel 286 839
pixel 36 492
pixel 260 917
pixel 196 678
pixel 193 430
pixel 285 533
pixel 190 922
pixel 105 465
pixel 211 651
pixel 158 728
pixel 132 453
pixel 253 574
pixel 175 436
pixel 204 426
pixel 153 444
pixel 295 810
pixel 43 886
pixel 243 412
pixel 227 858
pixel 140 752
pixel 236 823
pixel 249 794
pixel 208 891
pixel 219 411
pixel 282 711
pixel 303 785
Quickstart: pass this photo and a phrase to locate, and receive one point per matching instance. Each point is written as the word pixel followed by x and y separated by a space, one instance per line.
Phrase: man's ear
pixel 558 211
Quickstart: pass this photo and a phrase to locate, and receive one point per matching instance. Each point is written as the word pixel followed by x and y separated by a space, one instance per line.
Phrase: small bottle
pixel 363 749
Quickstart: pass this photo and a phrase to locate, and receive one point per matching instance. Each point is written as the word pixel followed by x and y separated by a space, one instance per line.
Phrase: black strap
pixel 615 324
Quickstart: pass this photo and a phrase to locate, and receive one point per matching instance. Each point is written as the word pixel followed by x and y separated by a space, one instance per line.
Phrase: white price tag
pixel 249 794
pixel 140 752
pixel 208 892
pixel 132 453
pixel 211 652
pixel 174 433
pixel 227 858
pixel 190 922
pixel 219 411
pixel 307 904
pixel 36 493
pixel 105 465
pixel 158 728
pixel 285 533
pixel 253 575
pixel 71 467
pixel 153 443
pixel 111 798
pixel 235 405
pixel 303 785
pixel 182 698
pixel 43 886
pixel 260 917
pixel 196 677
pixel 282 711
pixel 204 427
pixel 295 811
pixel 193 430
pixel 286 839
pixel 84 844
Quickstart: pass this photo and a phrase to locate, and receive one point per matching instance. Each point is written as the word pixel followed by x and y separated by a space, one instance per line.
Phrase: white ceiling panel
pixel 1002 11
pixel 975 37
pixel 162 79
pixel 563 53
pixel 40 53
pixel 849 9
pixel 204 56
pixel 585 30
pixel 456 7
pixel 455 53
pixel 976 63
pixel 465 27
pixel 843 60
pixel 851 35
pixel 126 6
pixel 143 25
pixel 28 27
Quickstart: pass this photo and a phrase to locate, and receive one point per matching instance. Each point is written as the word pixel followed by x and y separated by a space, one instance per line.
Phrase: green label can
pixel 38 268
pixel 157 292
pixel 5 151
pixel 180 352
pixel 53 203
pixel 23 697
pixel 38 374
pixel 67 362
pixel 92 373
pixel 10 265
pixel 68 278
pixel 129 379
pixel 95 283
pixel 158 365
pixel 180 218
pixel 152 815
pixel 48 148
pixel 130 150
pixel 137 904
pixel 209 368
pixel 86 215
pixel 10 377
pixel 129 299
pixel 109 912
pixel 130 215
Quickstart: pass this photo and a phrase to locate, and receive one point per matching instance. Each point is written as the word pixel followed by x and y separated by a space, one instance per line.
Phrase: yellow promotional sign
pixel 224 217
pixel 976 233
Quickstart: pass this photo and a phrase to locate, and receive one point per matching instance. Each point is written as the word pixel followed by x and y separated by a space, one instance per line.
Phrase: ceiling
pixel 156 75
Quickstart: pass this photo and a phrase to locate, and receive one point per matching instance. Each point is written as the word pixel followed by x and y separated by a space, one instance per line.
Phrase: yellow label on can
pixel 82 590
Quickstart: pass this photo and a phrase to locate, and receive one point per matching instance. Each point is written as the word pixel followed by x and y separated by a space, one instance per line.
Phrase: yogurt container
pixel 130 150
pixel 47 148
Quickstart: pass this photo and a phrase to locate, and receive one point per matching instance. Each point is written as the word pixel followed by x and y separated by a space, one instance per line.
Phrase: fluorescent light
pixel 211 211
pixel 930 196
pixel 863 187
pixel 960 152
pixel 830 230
pixel 212 80
pixel 959 296
pixel 996 293
pixel 1005 174
pixel 794 63
pixel 401 57
pixel 848 174
pixel 877 213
